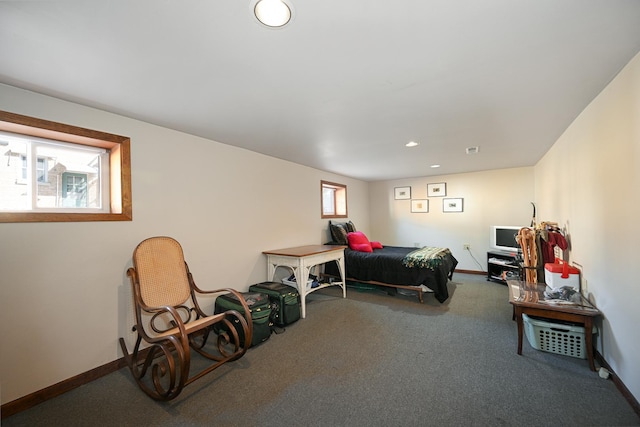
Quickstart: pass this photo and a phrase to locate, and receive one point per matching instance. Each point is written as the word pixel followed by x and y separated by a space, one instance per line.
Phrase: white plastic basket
pixel 293 282
pixel 556 337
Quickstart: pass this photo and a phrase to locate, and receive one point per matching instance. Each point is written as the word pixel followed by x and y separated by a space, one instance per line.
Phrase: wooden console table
pixel 528 298
pixel 300 259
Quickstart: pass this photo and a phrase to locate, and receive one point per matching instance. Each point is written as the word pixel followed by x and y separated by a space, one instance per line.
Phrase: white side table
pixel 300 259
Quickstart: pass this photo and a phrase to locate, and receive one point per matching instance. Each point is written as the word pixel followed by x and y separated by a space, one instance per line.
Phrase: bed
pixel 396 267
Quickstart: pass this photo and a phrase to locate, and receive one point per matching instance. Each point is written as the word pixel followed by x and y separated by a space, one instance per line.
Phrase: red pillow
pixel 361 247
pixel 376 245
pixel 359 242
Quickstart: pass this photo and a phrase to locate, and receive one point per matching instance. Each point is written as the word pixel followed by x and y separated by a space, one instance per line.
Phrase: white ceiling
pixel 345 85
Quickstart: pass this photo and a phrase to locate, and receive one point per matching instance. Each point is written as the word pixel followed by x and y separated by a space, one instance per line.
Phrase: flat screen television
pixel 503 237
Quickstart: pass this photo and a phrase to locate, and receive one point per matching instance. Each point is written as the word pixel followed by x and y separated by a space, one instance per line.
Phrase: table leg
pixel 302 275
pixel 342 276
pixel 518 315
pixel 588 338
pixel 271 269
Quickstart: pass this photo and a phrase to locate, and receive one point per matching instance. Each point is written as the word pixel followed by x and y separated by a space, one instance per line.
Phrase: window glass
pixel 328 201
pixel 74 190
pixel 333 199
pixel 50 175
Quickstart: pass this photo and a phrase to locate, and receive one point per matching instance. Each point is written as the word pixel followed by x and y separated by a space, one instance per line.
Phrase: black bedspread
pixel 385 266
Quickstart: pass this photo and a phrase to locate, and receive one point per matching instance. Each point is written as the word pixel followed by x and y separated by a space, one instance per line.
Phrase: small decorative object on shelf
pixel 503 266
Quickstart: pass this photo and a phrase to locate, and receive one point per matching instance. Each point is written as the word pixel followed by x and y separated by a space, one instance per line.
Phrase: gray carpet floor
pixel 370 360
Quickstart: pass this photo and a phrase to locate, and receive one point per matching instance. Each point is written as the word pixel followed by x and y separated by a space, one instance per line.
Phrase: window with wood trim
pixel 53 172
pixel 333 200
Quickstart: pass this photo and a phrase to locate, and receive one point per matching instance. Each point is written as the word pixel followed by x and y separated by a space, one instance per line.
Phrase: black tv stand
pixel 503 266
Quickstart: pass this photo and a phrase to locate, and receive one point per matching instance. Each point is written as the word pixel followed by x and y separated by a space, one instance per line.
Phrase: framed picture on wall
pixel 452 205
pixel 420 205
pixel 402 193
pixel 437 190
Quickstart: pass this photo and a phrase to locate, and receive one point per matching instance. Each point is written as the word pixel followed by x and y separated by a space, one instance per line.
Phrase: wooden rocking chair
pixel 170 322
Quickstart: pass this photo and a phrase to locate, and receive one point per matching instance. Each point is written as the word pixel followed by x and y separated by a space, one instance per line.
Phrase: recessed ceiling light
pixel 412 144
pixel 473 150
pixel 272 13
pixel 435 166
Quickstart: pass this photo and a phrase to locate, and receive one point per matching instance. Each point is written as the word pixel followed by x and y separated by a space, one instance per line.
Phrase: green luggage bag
pixel 260 308
pixel 285 301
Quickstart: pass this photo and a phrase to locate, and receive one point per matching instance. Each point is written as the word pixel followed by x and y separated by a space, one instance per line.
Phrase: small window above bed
pixel 333 200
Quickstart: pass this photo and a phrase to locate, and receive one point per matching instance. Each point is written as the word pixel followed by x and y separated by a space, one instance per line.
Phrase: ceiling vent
pixel 473 150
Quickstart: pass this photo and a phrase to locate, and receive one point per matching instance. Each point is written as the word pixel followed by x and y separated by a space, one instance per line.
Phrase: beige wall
pixel 64 295
pixel 589 182
pixel 498 197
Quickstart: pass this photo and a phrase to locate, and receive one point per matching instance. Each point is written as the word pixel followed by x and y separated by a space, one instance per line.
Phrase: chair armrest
pixel 237 294
pixel 176 319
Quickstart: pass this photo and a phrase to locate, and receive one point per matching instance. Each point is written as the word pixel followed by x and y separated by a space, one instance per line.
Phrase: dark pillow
pixel 350 227
pixel 338 233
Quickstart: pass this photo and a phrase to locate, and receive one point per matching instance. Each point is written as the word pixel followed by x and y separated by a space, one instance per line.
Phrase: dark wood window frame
pixel 119 164
pixel 339 193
